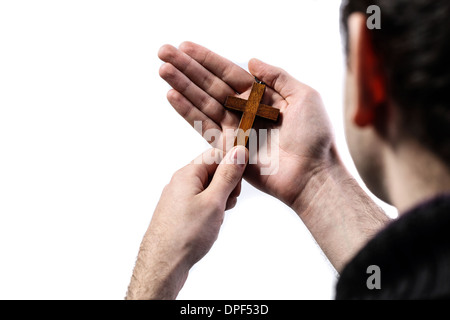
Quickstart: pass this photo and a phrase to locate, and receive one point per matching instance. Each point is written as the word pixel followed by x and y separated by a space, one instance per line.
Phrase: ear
pixel 370 80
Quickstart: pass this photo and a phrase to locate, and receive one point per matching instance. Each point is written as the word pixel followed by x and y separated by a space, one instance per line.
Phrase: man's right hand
pixel 202 80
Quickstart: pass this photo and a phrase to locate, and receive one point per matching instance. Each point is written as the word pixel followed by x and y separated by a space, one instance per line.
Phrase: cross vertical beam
pixel 251 108
pixel 248 118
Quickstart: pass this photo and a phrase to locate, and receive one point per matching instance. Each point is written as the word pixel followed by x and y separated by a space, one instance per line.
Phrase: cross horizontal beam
pixel 251 108
pixel 264 111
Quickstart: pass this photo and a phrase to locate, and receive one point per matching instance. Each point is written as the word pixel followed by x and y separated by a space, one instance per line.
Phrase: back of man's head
pixel 413 46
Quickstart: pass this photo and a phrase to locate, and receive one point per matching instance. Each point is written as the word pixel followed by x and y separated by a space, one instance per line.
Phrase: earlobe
pixel 370 79
pixel 363 117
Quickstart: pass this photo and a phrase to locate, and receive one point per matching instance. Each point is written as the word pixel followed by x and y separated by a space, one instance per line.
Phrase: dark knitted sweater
pixel 413 256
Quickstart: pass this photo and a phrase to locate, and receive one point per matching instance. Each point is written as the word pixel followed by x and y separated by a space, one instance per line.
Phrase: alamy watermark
pixel 374 21
pixel 374 280
pixel 263 146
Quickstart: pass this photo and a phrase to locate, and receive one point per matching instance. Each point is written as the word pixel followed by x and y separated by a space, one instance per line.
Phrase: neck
pixel 414 175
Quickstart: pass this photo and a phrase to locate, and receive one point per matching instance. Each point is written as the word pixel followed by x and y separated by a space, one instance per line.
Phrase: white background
pixel 88 141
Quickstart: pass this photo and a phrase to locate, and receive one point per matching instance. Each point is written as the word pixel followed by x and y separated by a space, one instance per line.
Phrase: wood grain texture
pixel 264 111
pixel 251 108
pixel 248 118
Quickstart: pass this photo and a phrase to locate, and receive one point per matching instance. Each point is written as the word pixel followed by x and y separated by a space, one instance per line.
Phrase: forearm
pixel 155 276
pixel 339 214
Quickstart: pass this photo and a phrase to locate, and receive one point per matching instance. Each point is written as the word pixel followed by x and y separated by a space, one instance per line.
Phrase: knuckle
pixel 211 200
pixel 178 175
pixel 229 176
pixel 312 94
pixel 207 81
pixel 216 204
pixel 209 106
pixel 167 189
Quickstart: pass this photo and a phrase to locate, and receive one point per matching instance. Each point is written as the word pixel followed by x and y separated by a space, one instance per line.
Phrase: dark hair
pixel 414 47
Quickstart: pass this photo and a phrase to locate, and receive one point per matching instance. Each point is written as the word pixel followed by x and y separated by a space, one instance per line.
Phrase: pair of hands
pixel 201 82
pixel 191 209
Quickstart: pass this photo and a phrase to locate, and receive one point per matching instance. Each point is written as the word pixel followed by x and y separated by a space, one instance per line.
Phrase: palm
pixel 202 81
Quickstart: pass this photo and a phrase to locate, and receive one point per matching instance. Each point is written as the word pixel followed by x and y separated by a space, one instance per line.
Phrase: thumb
pixel 228 174
pixel 274 77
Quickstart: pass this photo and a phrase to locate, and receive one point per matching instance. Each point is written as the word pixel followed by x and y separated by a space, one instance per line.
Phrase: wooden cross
pixel 251 108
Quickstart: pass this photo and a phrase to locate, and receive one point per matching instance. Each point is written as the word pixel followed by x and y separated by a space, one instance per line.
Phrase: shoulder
pixel 413 256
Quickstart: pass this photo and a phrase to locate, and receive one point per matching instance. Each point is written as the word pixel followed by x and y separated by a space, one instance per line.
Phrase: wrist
pixel 317 183
pixel 326 207
pixel 338 213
